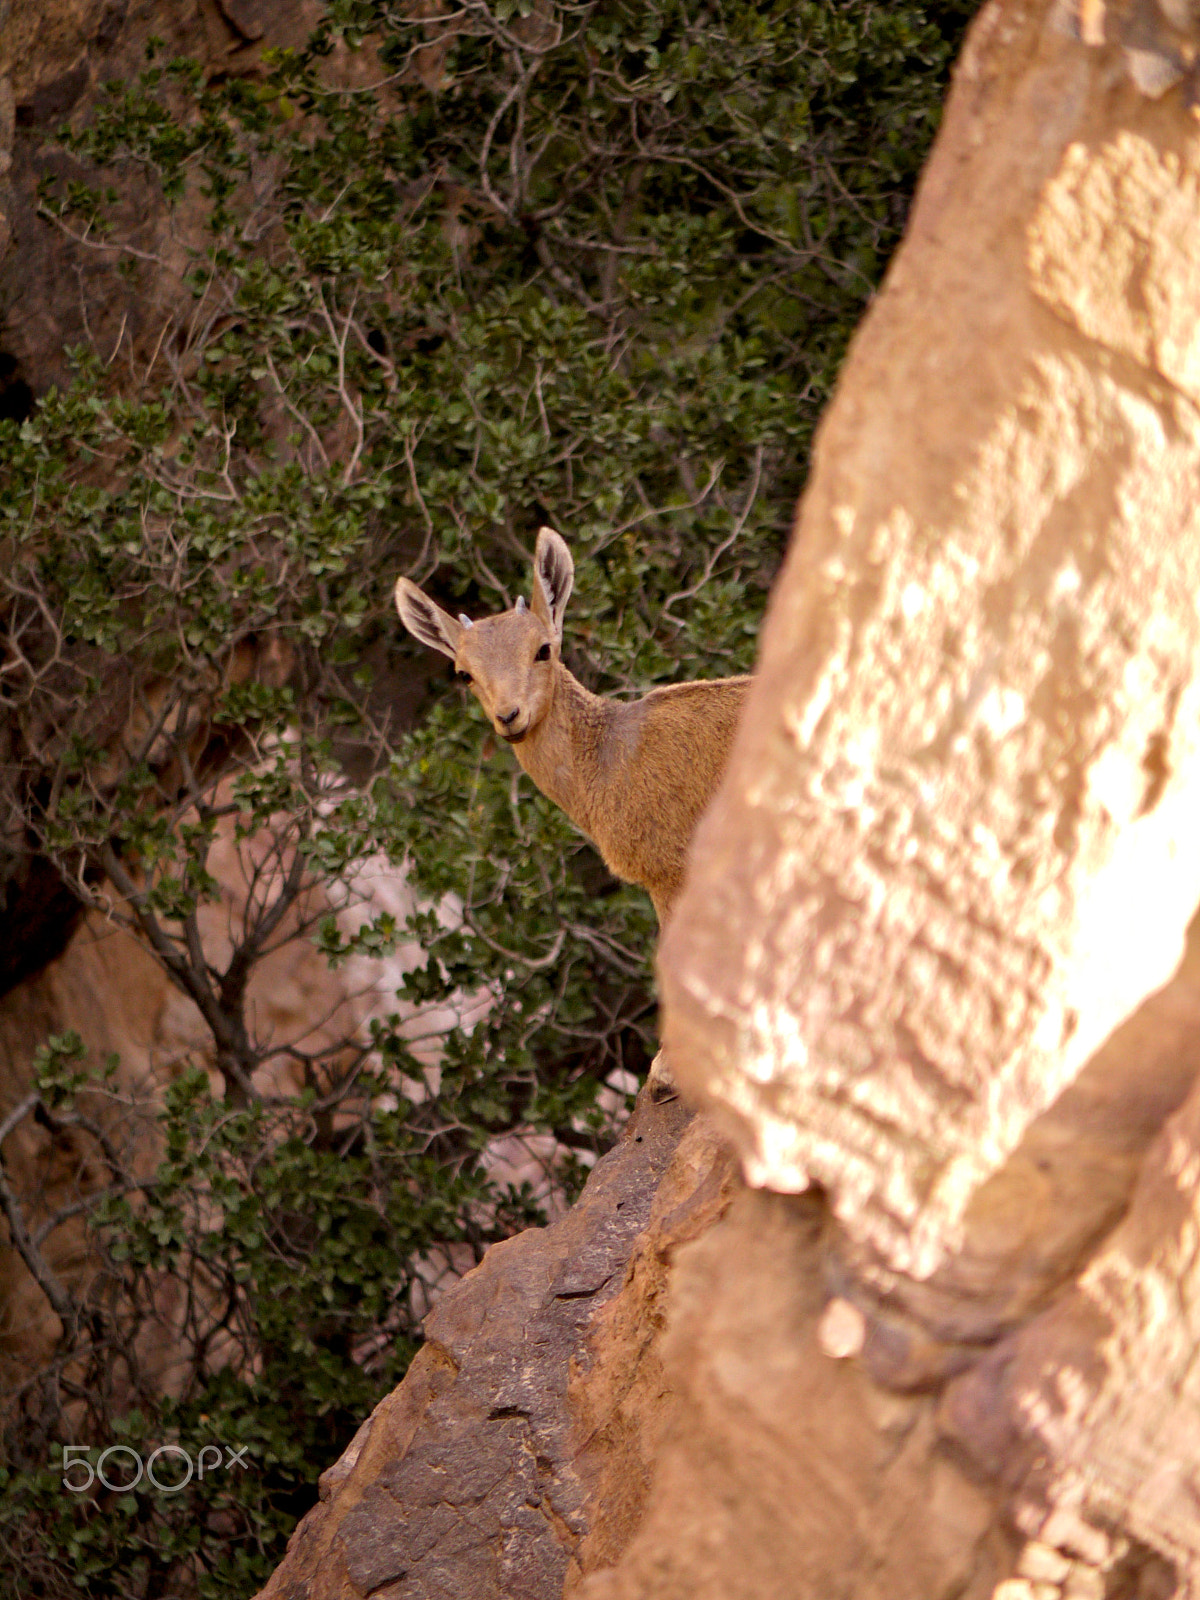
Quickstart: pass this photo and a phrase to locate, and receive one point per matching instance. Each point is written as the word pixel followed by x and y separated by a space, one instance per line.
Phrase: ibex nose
pixel 509 717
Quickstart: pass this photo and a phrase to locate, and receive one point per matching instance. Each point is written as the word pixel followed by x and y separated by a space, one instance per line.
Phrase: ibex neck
pixel 564 754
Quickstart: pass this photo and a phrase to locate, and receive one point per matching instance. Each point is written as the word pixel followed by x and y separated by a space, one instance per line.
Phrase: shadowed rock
pixel 513 1455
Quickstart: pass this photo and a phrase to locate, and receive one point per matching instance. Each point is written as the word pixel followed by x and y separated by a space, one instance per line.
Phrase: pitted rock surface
pixel 501 1455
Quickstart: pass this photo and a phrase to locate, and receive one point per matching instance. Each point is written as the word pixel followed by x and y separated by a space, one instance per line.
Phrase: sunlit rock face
pixel 957 843
pixel 935 970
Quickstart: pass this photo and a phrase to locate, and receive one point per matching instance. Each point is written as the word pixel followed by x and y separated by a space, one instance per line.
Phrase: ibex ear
pixel 553 575
pixel 425 621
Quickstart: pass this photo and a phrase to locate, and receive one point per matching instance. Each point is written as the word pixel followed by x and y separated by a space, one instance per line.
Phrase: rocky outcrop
pixel 515 1455
pixel 784 1472
pixel 971 755
pixel 958 848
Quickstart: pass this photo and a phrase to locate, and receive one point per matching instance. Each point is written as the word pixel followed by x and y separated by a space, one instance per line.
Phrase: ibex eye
pixel 543 654
pixel 463 677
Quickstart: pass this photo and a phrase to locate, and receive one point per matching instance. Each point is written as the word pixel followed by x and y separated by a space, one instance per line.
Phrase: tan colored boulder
pixel 785 1473
pixel 958 845
pixel 1090 1413
pixel 933 965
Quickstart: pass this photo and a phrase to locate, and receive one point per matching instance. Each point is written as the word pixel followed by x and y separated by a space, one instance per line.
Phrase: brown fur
pixel 634 776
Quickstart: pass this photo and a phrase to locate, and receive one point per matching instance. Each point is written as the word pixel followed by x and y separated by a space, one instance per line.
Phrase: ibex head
pixel 508 660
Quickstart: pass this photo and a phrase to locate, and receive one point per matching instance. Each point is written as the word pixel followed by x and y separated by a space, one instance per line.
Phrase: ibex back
pixel 633 775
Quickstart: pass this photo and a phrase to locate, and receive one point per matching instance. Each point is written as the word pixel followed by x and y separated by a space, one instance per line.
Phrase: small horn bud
pixel 466 621
pixel 521 603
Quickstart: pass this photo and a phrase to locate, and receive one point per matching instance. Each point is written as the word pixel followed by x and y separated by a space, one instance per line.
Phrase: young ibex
pixel 634 776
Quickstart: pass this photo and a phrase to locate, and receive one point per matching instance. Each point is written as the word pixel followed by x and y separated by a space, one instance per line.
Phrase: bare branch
pixel 64 1307
pixel 715 555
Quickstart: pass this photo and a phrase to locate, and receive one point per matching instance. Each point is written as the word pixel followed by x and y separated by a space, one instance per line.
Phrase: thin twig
pixel 752 495
pixel 64 1307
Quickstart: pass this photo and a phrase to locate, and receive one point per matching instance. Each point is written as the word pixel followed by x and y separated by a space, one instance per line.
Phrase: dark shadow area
pixel 16 396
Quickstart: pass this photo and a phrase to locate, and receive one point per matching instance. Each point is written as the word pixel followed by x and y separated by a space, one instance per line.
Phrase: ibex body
pixel 634 776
